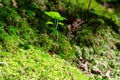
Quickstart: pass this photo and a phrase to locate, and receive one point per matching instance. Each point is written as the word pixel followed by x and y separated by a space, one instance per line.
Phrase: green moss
pixel 97 41
pixel 35 64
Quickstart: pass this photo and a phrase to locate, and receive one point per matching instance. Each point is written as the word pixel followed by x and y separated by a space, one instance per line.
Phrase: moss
pixel 37 65
pixel 97 41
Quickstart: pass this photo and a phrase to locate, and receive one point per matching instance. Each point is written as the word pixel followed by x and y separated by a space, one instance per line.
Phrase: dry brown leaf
pixel 14 4
pixel 84 66
pixel 107 74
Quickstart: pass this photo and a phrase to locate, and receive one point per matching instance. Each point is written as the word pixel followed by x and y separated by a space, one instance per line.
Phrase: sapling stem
pixel 57 30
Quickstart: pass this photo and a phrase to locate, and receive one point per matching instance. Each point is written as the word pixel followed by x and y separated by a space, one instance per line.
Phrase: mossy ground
pixel 26 41
pixel 34 64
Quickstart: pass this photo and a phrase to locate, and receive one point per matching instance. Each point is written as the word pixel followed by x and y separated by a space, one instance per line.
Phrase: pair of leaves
pixel 49 22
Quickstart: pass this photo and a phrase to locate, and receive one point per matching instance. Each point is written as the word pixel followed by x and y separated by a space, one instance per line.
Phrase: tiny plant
pixel 57 18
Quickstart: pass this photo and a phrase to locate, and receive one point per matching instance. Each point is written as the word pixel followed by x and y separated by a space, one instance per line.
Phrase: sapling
pixel 57 18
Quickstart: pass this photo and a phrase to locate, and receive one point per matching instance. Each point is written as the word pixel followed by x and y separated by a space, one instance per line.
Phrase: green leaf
pixel 55 15
pixel 60 23
pixel 49 22
pixel 101 21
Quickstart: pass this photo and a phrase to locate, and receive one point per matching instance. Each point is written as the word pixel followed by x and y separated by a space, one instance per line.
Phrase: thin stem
pixel 56 29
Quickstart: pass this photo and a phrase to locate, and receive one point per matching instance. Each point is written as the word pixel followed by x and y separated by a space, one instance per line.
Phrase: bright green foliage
pixel 55 15
pixel 57 18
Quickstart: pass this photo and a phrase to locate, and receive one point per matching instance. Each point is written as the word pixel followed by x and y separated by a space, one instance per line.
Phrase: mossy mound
pixel 33 64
